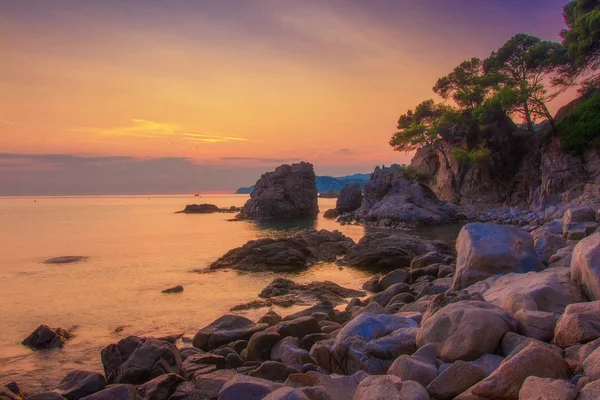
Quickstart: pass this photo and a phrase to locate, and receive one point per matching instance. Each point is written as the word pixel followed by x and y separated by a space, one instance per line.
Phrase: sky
pixel 179 96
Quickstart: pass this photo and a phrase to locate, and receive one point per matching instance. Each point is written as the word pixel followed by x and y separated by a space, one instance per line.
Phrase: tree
pixel 467 84
pixel 524 66
pixel 421 127
pixel 582 40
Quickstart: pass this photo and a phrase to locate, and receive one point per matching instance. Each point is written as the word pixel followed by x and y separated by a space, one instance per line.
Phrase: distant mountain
pixel 325 183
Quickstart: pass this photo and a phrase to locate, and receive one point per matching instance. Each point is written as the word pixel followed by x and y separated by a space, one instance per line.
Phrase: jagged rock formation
pixel 288 192
pixel 392 199
pixel 350 198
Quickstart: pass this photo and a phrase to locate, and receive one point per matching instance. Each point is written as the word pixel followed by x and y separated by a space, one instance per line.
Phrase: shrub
pixel 580 129
pixel 480 157
pixel 460 155
pixel 416 174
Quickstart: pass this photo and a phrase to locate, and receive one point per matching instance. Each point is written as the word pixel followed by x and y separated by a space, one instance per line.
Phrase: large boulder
pixel 78 384
pixel 420 367
pixel 114 392
pixel 485 250
pixel 397 250
pixel 579 324
pixel 393 199
pixel 350 198
pixel 455 379
pixel 466 330
pixel 161 387
pixel 389 387
pixel 536 388
pixel 226 329
pixel 137 360
pixel 286 254
pixel 326 386
pixel 585 265
pixel 247 388
pixel 288 192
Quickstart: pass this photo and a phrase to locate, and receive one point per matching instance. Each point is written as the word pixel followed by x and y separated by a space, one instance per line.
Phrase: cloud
pixel 151 129
pixel 344 152
pixel 6 122
pixel 264 160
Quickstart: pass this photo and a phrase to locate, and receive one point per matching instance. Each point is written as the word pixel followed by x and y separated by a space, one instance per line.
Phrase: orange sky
pixel 237 83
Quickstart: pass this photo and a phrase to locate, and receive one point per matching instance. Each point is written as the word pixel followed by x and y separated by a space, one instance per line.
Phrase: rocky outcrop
pixel 486 250
pixel 391 199
pixel 286 254
pixel 44 338
pixel 226 329
pixel 207 209
pixel 288 192
pixel 350 198
pixel 391 250
pixel 77 384
pixel 330 194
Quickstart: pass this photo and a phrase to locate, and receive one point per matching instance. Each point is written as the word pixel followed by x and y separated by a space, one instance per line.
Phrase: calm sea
pixel 137 246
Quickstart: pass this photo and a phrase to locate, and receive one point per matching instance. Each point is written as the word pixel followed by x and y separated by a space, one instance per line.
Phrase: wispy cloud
pixel 151 129
pixel 6 122
pixel 344 152
pixel 260 159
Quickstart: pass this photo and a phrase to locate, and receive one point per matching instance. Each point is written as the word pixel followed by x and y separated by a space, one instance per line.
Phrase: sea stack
pixel 288 192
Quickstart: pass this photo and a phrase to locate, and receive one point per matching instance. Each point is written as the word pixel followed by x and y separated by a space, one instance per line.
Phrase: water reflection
pixel 281 228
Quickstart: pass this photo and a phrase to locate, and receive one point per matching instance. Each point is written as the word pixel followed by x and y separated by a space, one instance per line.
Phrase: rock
pixel 286 393
pixel 66 260
pixel 260 345
pixel 383 298
pixel 175 289
pixel 591 365
pixel 286 254
pixel 44 338
pixel 270 318
pixel 273 371
pixel 440 301
pixel 275 351
pixel 402 341
pixel 427 259
pixel 310 292
pixel 137 360
pixel 309 340
pixel 585 265
pixel 581 214
pixel 547 244
pixel 579 230
pixel 379 387
pixel 457 378
pixel 187 391
pixel 332 213
pixel 536 324
pixel 350 198
pixel 330 194
pixel 198 361
pixel 372 285
pixel 512 341
pixel 396 276
pixel 485 250
pixel 579 324
pixel 465 330
pixel 288 192
pixel 299 327
pixel 535 388
pixel 488 362
pixel 384 250
pixel 200 209
pixel 420 367
pixel 226 329
pixel 550 290
pixel 159 388
pixel 323 308
pixel 294 357
pixel 530 359
pixel 209 385
pixel 78 384
pixel 247 388
pixel 391 199
pixel 331 386
pixel 114 392
pixel 43 396
pixel 591 391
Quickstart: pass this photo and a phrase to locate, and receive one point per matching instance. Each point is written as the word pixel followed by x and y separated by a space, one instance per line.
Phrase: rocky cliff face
pixel 392 199
pixel 523 169
pixel 288 192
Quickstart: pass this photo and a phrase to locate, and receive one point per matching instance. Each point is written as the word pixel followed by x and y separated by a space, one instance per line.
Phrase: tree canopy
pixel 467 84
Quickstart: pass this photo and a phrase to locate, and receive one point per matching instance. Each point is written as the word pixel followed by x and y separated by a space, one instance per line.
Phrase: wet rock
pixel 44 338
pixel 159 388
pixel 247 388
pixel 332 213
pixel 466 330
pixel 427 259
pixel 457 378
pixel 485 250
pixel 66 260
pixel 396 276
pixel 383 298
pixel 286 254
pixel 350 198
pixel 200 361
pixel 385 250
pixel 78 384
pixel 137 360
pixel 226 329
pixel 288 192
pixel 372 285
pixel 298 327
pixel 115 392
pixel 585 265
pixel 536 388
pixel 310 292
pixel 420 367
pixel 174 289
pixel 322 308
pixel 270 318
pixel 200 209
pixel 579 324
pixel 209 385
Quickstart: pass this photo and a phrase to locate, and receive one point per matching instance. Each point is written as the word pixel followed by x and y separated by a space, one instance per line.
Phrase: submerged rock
pixel 66 260
pixel 207 209
pixel 174 289
pixel 286 254
pixel 288 192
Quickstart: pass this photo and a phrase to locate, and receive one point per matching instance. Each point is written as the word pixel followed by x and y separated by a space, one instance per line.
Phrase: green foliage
pixel 582 36
pixel 480 157
pixel 420 127
pixel 580 129
pixel 417 174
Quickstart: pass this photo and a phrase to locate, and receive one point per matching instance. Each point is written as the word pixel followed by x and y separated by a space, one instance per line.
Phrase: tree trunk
pixel 528 117
pixel 455 188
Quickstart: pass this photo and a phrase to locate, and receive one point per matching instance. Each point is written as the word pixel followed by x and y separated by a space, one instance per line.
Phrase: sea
pixel 136 246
